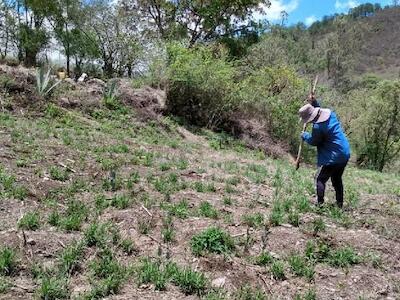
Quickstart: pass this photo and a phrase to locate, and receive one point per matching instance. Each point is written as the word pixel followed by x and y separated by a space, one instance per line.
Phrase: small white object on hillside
pixel 83 77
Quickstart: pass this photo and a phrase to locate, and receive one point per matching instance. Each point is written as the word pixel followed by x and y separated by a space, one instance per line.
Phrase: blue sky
pixel 307 11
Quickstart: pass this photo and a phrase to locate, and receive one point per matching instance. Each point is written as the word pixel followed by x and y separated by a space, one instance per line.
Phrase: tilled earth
pixel 61 156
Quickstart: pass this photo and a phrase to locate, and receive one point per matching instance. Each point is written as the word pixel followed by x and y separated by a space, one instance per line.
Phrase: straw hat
pixel 309 113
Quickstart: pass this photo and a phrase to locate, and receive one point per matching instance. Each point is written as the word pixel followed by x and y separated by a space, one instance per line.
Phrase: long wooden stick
pixel 313 88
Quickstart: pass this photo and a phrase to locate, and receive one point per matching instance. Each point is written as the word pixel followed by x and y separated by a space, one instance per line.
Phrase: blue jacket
pixel 331 142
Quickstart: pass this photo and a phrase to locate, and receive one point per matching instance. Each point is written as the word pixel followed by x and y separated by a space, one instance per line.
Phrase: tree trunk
pixel 30 58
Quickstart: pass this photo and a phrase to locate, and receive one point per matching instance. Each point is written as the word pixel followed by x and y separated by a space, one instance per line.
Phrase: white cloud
pixel 310 20
pixel 273 13
pixel 346 5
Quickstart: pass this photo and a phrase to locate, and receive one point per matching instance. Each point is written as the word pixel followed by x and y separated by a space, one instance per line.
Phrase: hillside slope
pixel 101 205
pixel 381 49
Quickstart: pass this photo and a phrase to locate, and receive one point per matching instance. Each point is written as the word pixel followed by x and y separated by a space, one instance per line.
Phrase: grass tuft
pixel 8 263
pixel 213 240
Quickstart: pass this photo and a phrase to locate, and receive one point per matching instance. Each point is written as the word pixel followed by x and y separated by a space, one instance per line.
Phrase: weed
pixel 343 257
pixel 248 293
pixel 229 189
pixel 277 270
pixel 318 251
pixel 165 166
pixel 168 184
pixel 9 188
pixel 180 209
pixel 318 225
pixel 152 272
pixel 110 272
pixel 215 294
pixel 276 217
pixel 263 259
pixel 207 210
pixel 253 220
pixel 302 203
pixel 235 180
pixel 352 196
pixel 105 265
pixel 4 285
pixel 294 218
pixel 145 225
pixel 310 295
pixel 120 201
pixel 301 267
pixel 59 174
pixel 168 232
pixel 8 261
pixel 213 240
pixel 29 221
pixel 182 164
pixel 373 259
pixel 190 282
pixel 227 200
pixel 70 258
pixel 134 178
pixel 52 288
pixel 75 214
pixel 128 246
pixel 96 234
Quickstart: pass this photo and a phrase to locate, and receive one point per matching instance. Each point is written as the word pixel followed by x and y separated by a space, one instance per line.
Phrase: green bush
pixel 213 240
pixel 201 84
pixel 373 117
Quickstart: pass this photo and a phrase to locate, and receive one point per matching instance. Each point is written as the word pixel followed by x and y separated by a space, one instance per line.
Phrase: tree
pixel 8 29
pixel 32 34
pixel 376 131
pixel 198 20
pixel 115 31
pixel 65 15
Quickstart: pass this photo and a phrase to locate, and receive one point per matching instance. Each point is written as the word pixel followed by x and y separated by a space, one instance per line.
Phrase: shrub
pixel 374 124
pixel 201 84
pixel 213 240
pixel 7 261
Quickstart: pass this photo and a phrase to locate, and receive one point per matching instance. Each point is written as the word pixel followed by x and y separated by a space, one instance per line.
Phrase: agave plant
pixel 110 96
pixel 43 82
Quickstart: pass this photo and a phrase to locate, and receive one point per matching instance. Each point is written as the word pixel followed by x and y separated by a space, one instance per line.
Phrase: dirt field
pixel 118 202
pixel 103 206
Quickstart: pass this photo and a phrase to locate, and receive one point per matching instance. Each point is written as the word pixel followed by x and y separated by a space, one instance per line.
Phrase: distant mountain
pixel 380 53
